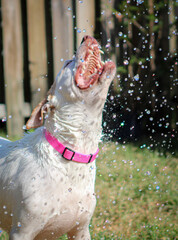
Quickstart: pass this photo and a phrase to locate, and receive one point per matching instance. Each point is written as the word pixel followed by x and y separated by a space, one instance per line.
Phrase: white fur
pixel 42 195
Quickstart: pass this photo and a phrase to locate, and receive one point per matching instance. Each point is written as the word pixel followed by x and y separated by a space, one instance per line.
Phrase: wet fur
pixel 42 195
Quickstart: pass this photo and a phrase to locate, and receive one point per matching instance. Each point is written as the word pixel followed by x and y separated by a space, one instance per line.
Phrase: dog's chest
pixel 75 210
pixel 70 201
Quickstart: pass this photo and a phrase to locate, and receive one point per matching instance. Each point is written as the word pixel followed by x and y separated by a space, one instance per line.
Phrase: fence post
pixel 62 28
pixel 13 65
pixel 37 49
pixel 85 19
pixel 108 36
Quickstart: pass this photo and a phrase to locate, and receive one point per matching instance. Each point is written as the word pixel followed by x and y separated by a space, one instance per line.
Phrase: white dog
pixel 47 178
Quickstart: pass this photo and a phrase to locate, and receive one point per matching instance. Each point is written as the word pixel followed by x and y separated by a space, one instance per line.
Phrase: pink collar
pixel 67 153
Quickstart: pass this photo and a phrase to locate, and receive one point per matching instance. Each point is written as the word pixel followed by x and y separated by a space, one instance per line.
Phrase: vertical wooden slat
pixel 172 29
pixel 13 65
pixel 108 37
pixel 107 22
pixel 37 49
pixel 85 19
pixel 173 42
pixel 2 90
pixel 62 32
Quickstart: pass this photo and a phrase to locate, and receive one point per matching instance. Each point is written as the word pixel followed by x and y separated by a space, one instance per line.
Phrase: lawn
pixel 136 194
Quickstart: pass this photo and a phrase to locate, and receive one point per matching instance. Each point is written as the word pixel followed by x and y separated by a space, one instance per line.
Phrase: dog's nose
pixel 84 38
pixel 90 39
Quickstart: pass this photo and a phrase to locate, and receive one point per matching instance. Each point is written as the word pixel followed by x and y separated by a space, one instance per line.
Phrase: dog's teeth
pixel 83 69
pixel 98 65
pixel 90 51
pixel 101 51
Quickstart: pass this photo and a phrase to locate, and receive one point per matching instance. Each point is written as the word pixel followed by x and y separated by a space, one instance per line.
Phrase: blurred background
pixel 36 37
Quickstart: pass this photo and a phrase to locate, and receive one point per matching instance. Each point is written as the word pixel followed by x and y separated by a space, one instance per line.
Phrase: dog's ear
pixel 36 118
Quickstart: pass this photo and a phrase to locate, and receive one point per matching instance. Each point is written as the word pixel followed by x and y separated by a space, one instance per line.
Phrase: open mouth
pixel 89 64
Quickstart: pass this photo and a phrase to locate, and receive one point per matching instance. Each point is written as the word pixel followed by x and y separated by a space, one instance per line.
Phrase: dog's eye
pixel 82 40
pixel 67 63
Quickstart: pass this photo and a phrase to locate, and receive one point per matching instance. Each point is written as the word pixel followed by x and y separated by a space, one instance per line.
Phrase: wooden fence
pixel 36 37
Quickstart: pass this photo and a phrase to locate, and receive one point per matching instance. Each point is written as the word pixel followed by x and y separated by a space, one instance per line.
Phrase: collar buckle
pixel 91 155
pixel 68 151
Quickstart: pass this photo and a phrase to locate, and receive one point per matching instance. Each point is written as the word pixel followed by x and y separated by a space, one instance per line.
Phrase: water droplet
pixel 114 116
pixel 151 118
pixel 19 224
pixel 79 30
pixel 104 124
pixel 108 45
pixel 91 168
pixel 126 62
pixel 122 124
pixel 156 20
pixel 136 77
pixel 4 119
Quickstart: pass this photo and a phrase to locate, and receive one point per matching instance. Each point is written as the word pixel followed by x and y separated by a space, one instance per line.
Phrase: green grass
pixel 4 135
pixel 136 194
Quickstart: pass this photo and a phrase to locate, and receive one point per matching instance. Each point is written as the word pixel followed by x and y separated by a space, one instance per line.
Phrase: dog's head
pixel 84 79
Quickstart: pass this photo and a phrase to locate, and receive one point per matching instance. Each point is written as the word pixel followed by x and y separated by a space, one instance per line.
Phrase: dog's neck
pixel 79 130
